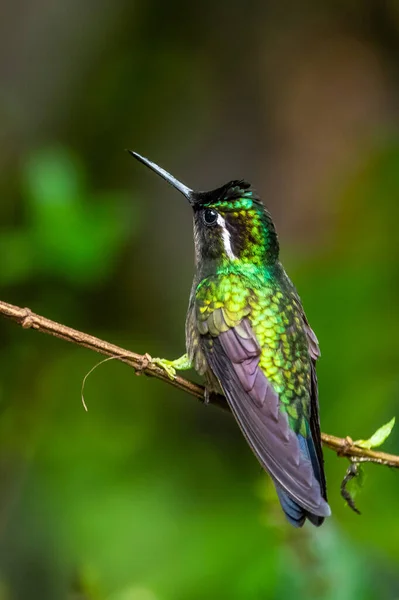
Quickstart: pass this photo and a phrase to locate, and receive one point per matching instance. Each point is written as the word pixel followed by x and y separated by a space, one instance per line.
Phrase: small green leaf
pixel 378 437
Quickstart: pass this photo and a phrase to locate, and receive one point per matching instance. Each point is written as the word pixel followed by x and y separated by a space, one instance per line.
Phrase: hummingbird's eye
pixel 210 216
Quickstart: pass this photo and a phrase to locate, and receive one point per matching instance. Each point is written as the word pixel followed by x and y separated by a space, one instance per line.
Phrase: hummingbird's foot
pixel 166 365
pixel 207 395
pixel 171 366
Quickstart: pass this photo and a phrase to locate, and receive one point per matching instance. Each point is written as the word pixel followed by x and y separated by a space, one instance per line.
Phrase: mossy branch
pixel 142 364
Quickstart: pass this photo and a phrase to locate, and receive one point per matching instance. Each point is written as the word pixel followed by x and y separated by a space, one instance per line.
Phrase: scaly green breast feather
pixel 275 313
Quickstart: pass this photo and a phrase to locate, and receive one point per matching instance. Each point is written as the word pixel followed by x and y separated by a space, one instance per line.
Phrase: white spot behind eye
pixel 226 237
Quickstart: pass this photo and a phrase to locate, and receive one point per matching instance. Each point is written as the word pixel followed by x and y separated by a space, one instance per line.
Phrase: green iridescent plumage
pixel 264 296
pixel 247 334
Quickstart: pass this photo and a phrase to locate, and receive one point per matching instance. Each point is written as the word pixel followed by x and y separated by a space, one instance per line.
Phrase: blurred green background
pixel 149 495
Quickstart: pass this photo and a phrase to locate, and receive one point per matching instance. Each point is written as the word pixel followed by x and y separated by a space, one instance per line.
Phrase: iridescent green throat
pixel 244 233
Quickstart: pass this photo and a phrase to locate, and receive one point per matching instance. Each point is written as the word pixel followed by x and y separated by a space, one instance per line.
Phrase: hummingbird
pixel 248 336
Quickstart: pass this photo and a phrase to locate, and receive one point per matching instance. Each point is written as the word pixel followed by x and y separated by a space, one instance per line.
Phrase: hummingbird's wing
pixel 233 355
pixel 314 421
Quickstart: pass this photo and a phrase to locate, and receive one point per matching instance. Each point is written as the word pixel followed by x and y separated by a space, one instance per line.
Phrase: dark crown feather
pixel 233 190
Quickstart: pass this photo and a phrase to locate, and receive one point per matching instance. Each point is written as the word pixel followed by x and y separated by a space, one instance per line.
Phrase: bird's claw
pixel 207 396
pixel 166 365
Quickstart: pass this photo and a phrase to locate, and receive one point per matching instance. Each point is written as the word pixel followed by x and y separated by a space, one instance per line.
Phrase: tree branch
pixel 142 364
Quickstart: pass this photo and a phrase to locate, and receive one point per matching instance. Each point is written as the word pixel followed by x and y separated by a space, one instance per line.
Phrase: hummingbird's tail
pixel 295 513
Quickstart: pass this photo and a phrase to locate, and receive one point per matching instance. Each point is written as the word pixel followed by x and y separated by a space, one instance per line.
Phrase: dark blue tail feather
pixel 295 514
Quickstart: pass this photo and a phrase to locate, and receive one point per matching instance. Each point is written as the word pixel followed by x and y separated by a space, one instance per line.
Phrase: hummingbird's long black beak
pixel 178 185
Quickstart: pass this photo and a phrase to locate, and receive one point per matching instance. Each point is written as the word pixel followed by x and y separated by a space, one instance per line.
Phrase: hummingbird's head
pixel 230 223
